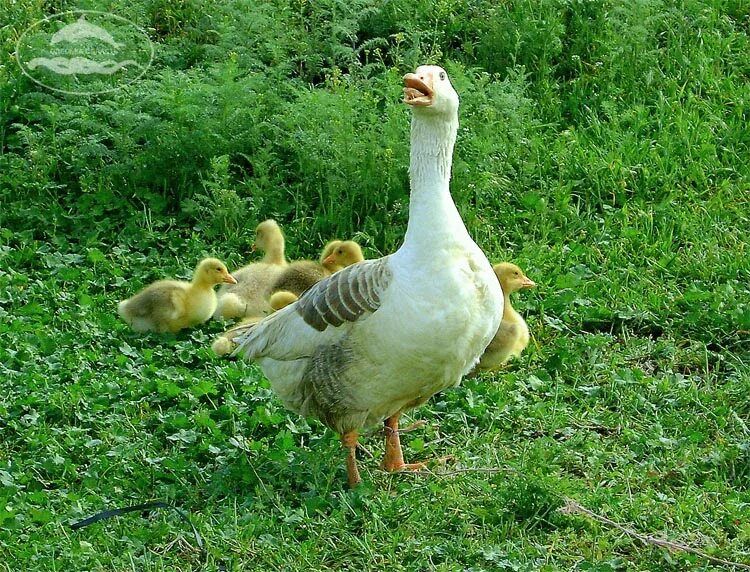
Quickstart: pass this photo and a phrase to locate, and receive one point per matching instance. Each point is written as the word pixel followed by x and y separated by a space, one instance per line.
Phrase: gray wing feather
pixel 345 296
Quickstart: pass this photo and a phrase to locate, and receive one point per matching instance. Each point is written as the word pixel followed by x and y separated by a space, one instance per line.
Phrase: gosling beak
pixel 329 260
pixel 416 91
pixel 527 283
pixel 229 279
pixel 253 248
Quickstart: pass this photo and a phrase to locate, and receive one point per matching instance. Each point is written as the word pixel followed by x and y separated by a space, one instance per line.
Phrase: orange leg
pixel 394 457
pixel 349 440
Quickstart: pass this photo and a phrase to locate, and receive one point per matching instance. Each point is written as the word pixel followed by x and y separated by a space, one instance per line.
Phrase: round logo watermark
pixel 83 52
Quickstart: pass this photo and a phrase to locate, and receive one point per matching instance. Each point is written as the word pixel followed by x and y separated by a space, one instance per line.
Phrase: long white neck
pixel 434 221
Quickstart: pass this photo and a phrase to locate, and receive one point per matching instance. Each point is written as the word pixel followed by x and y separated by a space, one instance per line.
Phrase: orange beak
pixel 329 260
pixel 416 91
pixel 229 279
pixel 527 283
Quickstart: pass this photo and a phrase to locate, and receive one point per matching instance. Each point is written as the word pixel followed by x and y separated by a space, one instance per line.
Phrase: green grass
pixel 603 147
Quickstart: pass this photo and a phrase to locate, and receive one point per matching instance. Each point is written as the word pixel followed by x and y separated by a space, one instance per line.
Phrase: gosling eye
pixel 442 75
pixel 218 269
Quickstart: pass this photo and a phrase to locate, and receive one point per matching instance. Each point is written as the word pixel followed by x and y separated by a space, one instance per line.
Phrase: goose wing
pixel 322 314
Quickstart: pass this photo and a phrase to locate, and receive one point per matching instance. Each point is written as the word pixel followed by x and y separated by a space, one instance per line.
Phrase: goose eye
pixel 442 75
pixel 218 269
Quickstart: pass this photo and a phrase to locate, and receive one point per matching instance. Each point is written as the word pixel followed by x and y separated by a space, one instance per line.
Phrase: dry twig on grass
pixel 572 507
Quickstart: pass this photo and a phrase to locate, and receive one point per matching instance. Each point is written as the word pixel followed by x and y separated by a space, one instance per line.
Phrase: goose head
pixel 212 271
pixel 512 278
pixel 428 90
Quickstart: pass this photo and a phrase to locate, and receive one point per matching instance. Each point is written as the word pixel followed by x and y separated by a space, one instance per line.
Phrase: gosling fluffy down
pixel 249 297
pixel 300 275
pixel 512 336
pixel 171 305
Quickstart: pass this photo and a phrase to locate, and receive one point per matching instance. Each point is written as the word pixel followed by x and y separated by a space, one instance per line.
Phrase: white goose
pixel 383 336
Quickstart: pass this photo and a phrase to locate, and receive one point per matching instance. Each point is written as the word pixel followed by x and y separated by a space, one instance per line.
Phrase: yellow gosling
pixel 171 305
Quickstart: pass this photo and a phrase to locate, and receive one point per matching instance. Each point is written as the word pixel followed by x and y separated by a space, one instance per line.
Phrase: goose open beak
pixel 229 279
pixel 416 91
pixel 527 283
